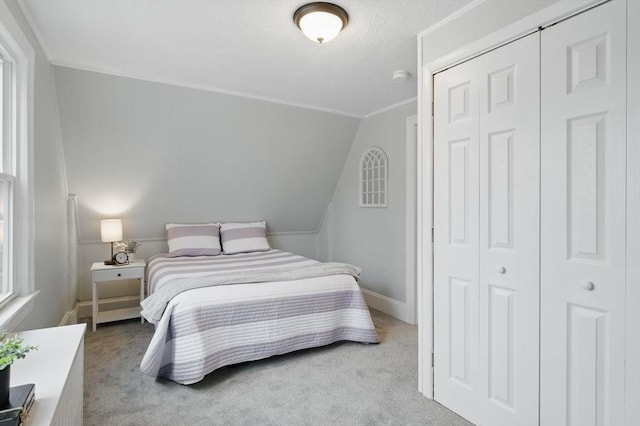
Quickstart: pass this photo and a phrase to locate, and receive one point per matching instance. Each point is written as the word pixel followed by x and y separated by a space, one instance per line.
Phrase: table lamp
pixel 110 232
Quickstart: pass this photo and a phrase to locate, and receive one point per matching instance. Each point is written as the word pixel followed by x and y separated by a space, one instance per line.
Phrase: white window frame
pixel 373 186
pixel 16 49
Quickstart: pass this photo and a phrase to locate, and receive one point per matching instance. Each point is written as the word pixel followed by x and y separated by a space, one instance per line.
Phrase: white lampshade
pixel 111 230
pixel 321 22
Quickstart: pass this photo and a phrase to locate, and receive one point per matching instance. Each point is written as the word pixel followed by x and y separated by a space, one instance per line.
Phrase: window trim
pixel 15 48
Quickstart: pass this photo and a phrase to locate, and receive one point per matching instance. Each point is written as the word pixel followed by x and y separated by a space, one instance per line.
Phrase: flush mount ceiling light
pixel 320 21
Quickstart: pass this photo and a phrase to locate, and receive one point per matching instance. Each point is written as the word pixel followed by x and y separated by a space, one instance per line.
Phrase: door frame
pixel 410 216
pixel 554 13
pixel 633 210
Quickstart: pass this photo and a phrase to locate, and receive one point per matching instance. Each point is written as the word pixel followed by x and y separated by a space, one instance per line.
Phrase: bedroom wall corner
pixel 324 243
pixel 375 238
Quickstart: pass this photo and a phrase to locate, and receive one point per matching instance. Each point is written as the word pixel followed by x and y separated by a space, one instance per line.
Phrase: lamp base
pixel 110 261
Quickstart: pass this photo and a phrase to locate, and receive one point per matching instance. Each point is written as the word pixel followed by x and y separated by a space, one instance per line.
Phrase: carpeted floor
pixel 342 384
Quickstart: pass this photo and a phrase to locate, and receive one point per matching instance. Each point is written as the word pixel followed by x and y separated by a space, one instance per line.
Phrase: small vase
pixel 131 256
pixel 5 386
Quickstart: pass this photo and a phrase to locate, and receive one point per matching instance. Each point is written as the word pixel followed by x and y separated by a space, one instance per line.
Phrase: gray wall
pixel 50 195
pixel 373 238
pixel 153 153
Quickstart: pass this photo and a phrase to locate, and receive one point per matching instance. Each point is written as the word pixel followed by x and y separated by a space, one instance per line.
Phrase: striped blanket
pixel 208 327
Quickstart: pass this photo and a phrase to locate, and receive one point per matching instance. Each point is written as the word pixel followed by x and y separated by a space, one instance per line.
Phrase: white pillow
pixel 193 239
pixel 244 237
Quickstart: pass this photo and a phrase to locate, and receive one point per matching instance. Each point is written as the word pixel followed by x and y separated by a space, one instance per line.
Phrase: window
pixel 373 178
pixel 16 183
pixel 7 179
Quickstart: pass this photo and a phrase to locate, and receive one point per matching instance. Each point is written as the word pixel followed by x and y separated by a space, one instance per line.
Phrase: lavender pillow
pixel 189 239
pixel 244 237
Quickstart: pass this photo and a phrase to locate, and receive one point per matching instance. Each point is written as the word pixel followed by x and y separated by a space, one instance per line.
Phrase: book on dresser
pixel 20 401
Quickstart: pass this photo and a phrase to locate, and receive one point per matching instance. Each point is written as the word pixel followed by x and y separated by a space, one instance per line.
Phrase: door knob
pixel 588 285
pixel 501 269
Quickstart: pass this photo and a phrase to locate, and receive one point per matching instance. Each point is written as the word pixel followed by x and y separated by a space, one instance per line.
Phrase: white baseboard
pixel 85 309
pixel 385 304
pixel 70 317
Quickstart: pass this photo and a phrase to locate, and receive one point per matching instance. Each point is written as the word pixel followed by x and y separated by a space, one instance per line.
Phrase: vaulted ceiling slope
pixel 245 47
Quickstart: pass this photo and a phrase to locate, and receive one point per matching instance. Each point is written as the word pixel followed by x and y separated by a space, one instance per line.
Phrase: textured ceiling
pixel 248 47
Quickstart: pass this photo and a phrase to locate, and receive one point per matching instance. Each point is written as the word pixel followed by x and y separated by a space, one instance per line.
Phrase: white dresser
pixel 57 369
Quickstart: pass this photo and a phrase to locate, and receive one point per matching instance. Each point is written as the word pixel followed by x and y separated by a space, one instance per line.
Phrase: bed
pixel 213 311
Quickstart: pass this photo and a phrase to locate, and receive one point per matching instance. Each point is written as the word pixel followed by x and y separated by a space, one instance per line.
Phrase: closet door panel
pixel 486 196
pixel 509 232
pixel 456 240
pixel 583 159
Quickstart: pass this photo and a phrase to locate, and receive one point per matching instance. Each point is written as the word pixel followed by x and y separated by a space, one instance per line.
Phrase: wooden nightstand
pixel 101 272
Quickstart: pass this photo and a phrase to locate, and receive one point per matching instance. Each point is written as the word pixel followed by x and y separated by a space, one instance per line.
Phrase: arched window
pixel 373 178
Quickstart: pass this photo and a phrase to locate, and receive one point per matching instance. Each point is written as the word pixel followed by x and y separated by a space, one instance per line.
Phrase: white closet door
pixel 509 233
pixel 486 193
pixel 456 154
pixel 583 219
